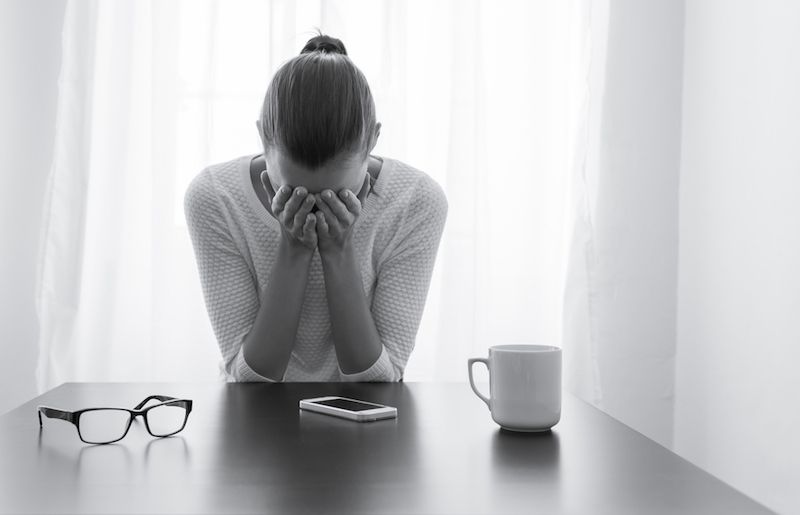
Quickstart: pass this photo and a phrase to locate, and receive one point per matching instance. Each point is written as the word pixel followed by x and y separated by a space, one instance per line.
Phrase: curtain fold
pixel 477 94
pixel 621 290
pixel 582 374
pixel 59 269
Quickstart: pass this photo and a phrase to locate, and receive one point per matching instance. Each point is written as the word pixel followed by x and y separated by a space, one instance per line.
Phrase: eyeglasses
pixel 108 425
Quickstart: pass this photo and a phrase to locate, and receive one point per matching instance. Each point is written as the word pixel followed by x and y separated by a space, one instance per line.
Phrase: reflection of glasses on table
pixel 108 425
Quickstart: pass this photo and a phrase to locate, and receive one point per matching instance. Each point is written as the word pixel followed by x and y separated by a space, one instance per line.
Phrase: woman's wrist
pixel 295 250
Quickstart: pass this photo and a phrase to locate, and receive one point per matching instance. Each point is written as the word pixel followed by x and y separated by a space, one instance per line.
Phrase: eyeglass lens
pixel 166 419
pixel 103 425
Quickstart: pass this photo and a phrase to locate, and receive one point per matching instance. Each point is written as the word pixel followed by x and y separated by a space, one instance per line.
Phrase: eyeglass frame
pixel 74 417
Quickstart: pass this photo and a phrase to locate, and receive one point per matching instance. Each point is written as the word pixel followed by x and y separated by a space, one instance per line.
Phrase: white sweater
pixel 396 240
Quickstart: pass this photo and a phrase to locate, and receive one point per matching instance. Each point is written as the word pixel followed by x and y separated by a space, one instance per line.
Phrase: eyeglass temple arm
pixel 55 413
pixel 161 398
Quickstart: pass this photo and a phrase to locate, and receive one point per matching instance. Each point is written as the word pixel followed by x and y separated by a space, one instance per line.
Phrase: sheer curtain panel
pixel 484 96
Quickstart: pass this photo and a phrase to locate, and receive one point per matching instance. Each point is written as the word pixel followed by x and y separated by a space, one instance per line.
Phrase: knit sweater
pixel 395 238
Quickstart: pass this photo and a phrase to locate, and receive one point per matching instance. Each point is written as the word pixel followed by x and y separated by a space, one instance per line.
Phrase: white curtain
pixel 487 97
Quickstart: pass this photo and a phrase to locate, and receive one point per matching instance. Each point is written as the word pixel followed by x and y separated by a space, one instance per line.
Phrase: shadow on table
pixel 81 477
pixel 526 455
pixel 80 458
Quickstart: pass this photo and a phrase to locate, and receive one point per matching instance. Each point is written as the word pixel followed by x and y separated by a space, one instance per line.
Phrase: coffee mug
pixel 524 386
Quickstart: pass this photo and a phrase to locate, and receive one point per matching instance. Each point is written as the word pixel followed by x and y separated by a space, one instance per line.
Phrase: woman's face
pixel 336 175
pixel 345 172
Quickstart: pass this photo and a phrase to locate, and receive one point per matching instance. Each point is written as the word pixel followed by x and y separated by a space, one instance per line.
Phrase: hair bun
pixel 323 43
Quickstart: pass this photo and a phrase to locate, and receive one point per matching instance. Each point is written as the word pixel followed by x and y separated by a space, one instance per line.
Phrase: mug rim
pixel 529 348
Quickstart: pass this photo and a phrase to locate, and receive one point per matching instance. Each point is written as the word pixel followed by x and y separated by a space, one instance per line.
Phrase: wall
pixel 28 95
pixel 738 409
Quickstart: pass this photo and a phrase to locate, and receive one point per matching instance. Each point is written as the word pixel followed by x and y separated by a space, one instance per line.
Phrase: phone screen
pixel 348 404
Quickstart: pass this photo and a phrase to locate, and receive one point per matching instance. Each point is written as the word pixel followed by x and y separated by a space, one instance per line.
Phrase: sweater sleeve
pixel 403 283
pixel 229 290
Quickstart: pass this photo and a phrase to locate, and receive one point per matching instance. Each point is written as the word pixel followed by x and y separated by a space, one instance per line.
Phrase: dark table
pixel 247 448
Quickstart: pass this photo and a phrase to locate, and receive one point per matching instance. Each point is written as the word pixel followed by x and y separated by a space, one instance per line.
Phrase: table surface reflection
pixel 247 448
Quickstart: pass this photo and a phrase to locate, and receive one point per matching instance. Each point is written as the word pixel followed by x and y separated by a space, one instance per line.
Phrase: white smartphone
pixel 352 409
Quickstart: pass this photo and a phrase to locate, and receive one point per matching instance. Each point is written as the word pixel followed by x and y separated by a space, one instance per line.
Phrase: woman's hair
pixel 319 105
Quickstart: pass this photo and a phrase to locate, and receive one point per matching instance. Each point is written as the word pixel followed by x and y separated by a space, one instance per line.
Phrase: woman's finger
pixel 304 210
pixel 338 208
pixel 311 220
pixel 309 230
pixel 322 225
pixel 300 226
pixel 280 198
pixel 350 201
pixel 294 202
pixel 325 209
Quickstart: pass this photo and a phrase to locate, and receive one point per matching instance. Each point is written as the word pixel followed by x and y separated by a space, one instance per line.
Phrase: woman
pixel 315 256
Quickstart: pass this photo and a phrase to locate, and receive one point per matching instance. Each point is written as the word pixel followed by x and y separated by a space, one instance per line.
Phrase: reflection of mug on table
pixel 524 386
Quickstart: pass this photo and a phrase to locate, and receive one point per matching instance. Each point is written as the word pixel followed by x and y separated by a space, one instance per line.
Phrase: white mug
pixel 524 386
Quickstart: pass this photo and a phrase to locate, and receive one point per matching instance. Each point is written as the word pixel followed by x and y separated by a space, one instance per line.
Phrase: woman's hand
pixel 335 219
pixel 292 208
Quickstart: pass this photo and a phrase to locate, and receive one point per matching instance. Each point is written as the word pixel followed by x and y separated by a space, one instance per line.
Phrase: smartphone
pixel 352 409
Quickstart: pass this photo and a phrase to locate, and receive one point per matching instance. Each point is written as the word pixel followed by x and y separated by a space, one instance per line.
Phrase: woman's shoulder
pixel 199 196
pixel 210 184
pixel 414 215
pixel 217 175
pixel 416 187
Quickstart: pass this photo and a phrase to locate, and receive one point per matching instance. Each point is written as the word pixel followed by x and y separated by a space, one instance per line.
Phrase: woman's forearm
pixel 357 341
pixel 268 346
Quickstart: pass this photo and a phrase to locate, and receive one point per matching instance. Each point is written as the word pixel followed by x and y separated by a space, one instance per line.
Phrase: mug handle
pixel 471 362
